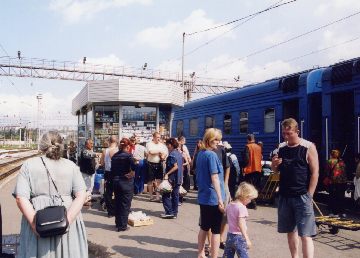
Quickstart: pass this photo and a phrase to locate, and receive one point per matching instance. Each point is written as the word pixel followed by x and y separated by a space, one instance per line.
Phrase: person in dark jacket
pixel 173 173
pixel 123 171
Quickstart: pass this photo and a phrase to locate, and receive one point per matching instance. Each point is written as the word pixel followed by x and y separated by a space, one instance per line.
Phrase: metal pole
pixel 182 62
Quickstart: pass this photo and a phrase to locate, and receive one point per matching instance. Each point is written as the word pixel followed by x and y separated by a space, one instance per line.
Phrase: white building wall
pixel 130 90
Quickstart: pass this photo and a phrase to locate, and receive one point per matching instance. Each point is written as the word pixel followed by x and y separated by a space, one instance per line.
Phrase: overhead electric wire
pixel 222 34
pixel 288 40
pixel 307 54
pixel 243 18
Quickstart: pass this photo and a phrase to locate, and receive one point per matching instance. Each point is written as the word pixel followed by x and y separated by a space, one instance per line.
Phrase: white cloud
pixel 75 10
pixel 342 51
pixel 171 33
pixel 228 67
pixel 276 37
pixel 329 6
pixel 111 59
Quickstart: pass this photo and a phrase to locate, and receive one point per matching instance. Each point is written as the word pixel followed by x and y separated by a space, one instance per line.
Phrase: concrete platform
pixel 178 237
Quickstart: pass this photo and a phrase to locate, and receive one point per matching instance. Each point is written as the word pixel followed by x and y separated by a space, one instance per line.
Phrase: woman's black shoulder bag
pixel 52 220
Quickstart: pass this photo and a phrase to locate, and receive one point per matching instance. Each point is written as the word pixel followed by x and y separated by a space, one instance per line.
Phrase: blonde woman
pixel 211 193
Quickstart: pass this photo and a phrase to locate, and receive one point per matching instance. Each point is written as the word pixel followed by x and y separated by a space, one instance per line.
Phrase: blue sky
pixel 132 32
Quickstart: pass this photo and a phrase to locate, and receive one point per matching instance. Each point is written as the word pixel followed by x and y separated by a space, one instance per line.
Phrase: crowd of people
pixel 226 186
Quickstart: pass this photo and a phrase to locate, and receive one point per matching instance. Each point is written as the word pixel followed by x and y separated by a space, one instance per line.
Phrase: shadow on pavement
pixel 144 253
pixel 336 241
pixel 161 241
pixel 91 224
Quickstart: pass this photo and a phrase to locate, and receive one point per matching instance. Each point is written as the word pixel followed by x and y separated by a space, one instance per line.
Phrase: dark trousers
pixel 139 177
pixel 254 179
pixel 108 193
pixel 336 198
pixel 171 201
pixel 124 191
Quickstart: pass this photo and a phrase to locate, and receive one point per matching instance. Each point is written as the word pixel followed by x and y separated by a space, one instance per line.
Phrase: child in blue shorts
pixel 237 238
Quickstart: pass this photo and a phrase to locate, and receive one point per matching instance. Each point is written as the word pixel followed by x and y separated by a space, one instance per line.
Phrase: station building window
pixel 227 124
pixel 138 120
pixel 106 123
pixel 194 129
pixel 180 128
pixel 244 122
pixel 269 120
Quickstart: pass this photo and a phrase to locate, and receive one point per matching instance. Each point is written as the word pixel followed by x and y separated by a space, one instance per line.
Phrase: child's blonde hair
pixel 246 191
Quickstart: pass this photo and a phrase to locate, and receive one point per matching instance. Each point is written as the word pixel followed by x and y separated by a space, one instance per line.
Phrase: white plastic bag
pixel 165 187
pixel 182 191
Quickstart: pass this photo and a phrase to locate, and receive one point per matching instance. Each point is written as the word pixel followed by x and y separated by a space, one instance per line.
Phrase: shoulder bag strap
pixel 49 176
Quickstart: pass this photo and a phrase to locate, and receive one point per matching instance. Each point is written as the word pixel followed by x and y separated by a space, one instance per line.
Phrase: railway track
pixel 11 166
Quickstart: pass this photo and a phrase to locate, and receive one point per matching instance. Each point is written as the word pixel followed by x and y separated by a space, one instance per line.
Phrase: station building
pixel 125 106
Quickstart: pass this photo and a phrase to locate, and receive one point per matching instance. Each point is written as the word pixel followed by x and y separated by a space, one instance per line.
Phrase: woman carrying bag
pixel 35 191
pixel 173 173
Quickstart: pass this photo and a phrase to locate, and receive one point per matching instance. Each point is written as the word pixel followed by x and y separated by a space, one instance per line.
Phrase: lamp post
pixel 39 98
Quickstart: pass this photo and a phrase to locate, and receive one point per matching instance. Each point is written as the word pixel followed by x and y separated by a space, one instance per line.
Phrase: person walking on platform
pixel 173 173
pixel 123 171
pixel 252 164
pixel 335 171
pixel 140 161
pixel 105 161
pixel 34 192
pixel 235 170
pixel 297 162
pixel 88 165
pixel 72 151
pixel 211 193
pixel 157 153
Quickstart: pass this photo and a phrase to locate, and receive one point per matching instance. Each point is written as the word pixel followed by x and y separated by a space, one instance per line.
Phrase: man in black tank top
pixel 297 162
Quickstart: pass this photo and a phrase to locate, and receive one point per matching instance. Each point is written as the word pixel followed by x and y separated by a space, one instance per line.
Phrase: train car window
pixel 227 124
pixel 269 120
pixel 194 128
pixel 341 73
pixel 209 122
pixel 244 122
pixel 180 128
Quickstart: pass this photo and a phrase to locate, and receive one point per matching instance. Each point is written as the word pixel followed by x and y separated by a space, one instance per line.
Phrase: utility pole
pixel 182 63
pixel 39 98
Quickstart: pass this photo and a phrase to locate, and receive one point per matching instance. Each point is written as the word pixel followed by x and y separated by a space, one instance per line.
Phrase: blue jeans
pixel 139 177
pixel 235 243
pixel 171 201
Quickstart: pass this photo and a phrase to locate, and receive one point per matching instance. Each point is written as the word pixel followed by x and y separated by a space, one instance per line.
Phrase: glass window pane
pixel 244 122
pixel 209 122
pixel 227 124
pixel 269 120
pixel 194 127
pixel 180 128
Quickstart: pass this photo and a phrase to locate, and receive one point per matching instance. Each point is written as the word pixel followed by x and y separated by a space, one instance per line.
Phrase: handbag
pixel 52 220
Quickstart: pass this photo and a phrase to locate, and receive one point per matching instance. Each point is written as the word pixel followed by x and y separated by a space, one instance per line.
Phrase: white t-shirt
pixel 139 152
pixel 155 147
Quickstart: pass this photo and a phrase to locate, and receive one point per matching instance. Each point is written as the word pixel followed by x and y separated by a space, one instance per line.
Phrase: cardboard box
pixel 139 223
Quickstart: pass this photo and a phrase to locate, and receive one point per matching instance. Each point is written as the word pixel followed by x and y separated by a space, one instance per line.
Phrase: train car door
pixel 314 119
pixel 343 127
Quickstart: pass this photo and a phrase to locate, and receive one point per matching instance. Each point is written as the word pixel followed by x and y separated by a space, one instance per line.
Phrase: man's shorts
pixel 296 213
pixel 210 218
pixel 155 171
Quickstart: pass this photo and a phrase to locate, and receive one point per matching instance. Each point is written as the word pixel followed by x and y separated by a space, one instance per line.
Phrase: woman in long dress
pixel 35 191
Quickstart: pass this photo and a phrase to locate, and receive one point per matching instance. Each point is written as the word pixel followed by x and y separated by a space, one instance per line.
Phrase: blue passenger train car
pixel 324 101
